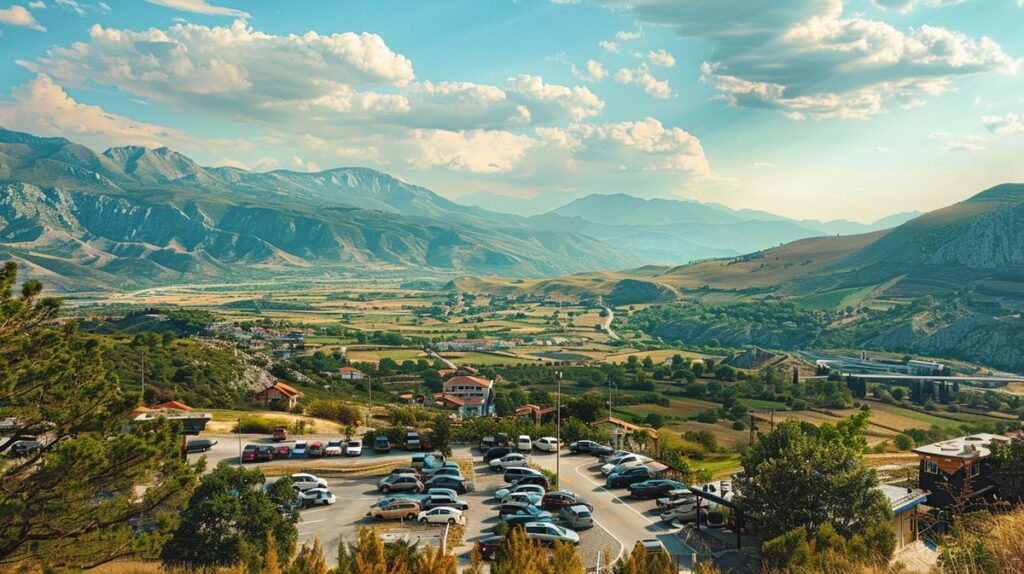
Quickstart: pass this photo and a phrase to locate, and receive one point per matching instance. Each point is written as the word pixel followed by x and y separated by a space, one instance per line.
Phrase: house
pixel 950 468
pixel 172 406
pixel 621 428
pixel 905 503
pixel 351 373
pixel 471 396
pixel 533 412
pixel 279 393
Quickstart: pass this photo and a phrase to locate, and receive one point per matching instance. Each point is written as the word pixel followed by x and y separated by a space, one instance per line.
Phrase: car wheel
pixel 423 520
pixel 385 489
pixel 410 516
pixel 451 521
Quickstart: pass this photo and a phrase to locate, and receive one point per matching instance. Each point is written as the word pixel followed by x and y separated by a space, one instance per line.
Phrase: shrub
pixel 787 550
pixel 335 410
pixel 709 416
pixel 903 441
pixel 257 424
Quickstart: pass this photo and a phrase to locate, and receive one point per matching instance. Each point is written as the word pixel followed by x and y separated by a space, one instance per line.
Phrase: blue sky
pixel 807 108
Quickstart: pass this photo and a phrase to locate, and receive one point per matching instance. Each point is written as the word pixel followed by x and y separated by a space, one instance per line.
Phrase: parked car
pixel 628 476
pixel 406 470
pixel 578 516
pixel 489 545
pixel 439 500
pixel 622 461
pixel 524 517
pixel 197 445
pixel 441 515
pixel 442 491
pixel 546 444
pixel 715 519
pixel 446 466
pixel 653 546
pixel 456 483
pixel 524 443
pixel 303 481
pixel 249 453
pixel 412 441
pixel 684 514
pixel 496 452
pixel 510 459
pixel 25 448
pixel 583 446
pixel 354 448
pixel 507 508
pixel 612 455
pixel 427 461
pixel 486 443
pixel 675 499
pixel 280 433
pixel 530 498
pixel 399 483
pixel 315 450
pixel 654 488
pixel 550 533
pixel 444 471
pixel 559 499
pixel 401 508
pixel 501 439
pixel 315 497
pixel 333 447
pixel 531 488
pixel 515 473
pixel 300 448
pixel 381 444
pixel 538 479
pixel 265 453
pixel 282 452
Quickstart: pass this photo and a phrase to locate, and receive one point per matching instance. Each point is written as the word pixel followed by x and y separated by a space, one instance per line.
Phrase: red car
pixel 489 546
pixel 283 452
pixel 316 449
pixel 249 453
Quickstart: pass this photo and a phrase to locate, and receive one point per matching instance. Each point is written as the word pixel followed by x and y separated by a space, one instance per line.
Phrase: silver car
pixel 578 516
pixel 549 533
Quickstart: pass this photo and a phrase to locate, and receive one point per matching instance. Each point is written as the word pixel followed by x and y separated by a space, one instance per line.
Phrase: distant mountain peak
pixel 10 136
pixel 157 164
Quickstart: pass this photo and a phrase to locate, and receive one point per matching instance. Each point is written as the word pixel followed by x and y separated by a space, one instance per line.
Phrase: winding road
pixel 607 325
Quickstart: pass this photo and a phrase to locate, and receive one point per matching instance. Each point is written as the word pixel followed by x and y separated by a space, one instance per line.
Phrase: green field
pixel 838 299
pixel 720 466
pixel 762 405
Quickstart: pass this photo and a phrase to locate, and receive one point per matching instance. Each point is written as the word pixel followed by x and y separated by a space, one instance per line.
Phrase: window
pixel 930 467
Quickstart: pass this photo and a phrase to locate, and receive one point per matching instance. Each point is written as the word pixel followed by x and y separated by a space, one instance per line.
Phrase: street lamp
pixel 239 427
pixel 558 432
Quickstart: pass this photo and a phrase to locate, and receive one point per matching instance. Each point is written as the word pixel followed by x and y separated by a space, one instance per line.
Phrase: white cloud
pixel 964 146
pixel 625 36
pixel 551 101
pixel 641 76
pixel 200 7
pixel 44 108
pixel 595 70
pixel 299 164
pixel 1006 125
pixel 661 58
pixel 607 46
pixel 476 151
pixel 37 5
pixel 20 16
pixel 882 149
pixel 641 146
pixel 764 164
pixel 806 58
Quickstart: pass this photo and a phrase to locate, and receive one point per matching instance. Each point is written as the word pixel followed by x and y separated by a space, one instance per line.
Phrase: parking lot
pixel 620 521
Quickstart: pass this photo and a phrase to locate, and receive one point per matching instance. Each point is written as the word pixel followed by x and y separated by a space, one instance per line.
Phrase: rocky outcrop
pixel 993 242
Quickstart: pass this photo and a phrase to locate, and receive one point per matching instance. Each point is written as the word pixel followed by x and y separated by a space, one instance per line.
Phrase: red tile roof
pixel 172 405
pixel 468 381
pixel 346 369
pixel 283 389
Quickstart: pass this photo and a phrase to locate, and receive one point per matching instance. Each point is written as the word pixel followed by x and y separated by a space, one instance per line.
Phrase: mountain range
pixel 134 216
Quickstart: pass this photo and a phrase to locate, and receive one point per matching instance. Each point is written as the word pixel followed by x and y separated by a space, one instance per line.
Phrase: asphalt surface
pixel 620 521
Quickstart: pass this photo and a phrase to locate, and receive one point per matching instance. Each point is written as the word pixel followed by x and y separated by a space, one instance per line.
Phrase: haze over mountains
pixel 135 216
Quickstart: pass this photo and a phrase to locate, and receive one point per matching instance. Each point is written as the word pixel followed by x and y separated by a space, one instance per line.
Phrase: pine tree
pixel 310 559
pixel 433 561
pixel 566 560
pixel 271 564
pixel 368 554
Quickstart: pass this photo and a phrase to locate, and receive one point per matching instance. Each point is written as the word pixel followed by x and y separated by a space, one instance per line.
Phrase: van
pixel 280 434
pixel 578 516
pixel 315 449
pixel 524 443
pixel 412 441
pixel 501 439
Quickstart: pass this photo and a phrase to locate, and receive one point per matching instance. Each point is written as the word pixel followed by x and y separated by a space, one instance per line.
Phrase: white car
pixel 546 444
pixel 524 497
pixel 316 497
pixel 333 448
pixel 303 481
pixel 537 489
pixel 441 515
pixel 354 448
pixel 626 459
pixel 524 443
pixel 509 460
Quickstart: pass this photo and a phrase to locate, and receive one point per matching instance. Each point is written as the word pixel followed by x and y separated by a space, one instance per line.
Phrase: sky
pixel 820 109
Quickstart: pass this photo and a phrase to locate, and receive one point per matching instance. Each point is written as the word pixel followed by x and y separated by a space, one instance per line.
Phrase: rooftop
pixel 902 498
pixel 965 447
pixel 468 381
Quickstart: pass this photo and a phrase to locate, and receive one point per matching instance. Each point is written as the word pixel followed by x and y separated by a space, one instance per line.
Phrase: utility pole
pixel 369 402
pixel 143 379
pixel 239 427
pixel 771 423
pixel 558 432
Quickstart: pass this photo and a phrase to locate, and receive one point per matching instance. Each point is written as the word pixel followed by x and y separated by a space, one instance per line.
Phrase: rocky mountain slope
pixel 135 216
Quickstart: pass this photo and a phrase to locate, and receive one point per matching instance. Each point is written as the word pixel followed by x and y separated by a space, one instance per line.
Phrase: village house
pixel 621 428
pixel 905 503
pixel 956 467
pixel 469 396
pixel 280 394
pixel 351 373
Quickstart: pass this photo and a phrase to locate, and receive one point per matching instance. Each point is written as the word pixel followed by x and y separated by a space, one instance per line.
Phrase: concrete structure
pixel 956 467
pixel 905 503
pixel 621 428
pixel 279 393
pixel 534 413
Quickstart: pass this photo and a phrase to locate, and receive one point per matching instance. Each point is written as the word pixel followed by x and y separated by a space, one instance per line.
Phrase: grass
pixel 763 405
pixel 224 421
pixel 397 355
pixel 838 299
pixel 473 358
pixel 720 466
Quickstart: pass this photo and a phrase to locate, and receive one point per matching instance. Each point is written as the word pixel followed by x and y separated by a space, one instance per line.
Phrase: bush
pixel 257 424
pixel 709 416
pixel 335 410
pixel 787 550
pixel 903 441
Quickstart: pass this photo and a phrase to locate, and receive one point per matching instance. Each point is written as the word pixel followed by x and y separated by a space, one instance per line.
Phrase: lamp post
pixel 239 427
pixel 558 432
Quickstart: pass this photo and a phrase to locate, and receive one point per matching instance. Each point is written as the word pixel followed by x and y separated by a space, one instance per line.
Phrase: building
pixel 950 468
pixel 351 373
pixel 471 396
pixel 905 503
pixel 172 405
pixel 279 393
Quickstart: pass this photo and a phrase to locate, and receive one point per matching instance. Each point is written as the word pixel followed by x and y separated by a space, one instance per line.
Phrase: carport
pixel 700 494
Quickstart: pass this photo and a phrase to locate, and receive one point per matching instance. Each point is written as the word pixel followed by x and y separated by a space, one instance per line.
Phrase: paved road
pixel 626 519
pixel 607 325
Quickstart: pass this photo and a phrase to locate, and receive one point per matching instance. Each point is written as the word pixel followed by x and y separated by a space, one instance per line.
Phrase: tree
pixel 1008 469
pixel 368 554
pixel 79 500
pixel 442 434
pixel 227 521
pixel 566 560
pixel 520 555
pixel 271 561
pixel 798 477
pixel 310 559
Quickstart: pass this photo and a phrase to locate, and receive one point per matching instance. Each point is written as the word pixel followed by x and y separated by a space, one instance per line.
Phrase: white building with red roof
pixel 471 396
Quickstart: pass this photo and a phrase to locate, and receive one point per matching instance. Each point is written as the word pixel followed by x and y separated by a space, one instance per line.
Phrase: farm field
pixel 658 356
pixel 475 358
pixel 723 431
pixel 375 355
